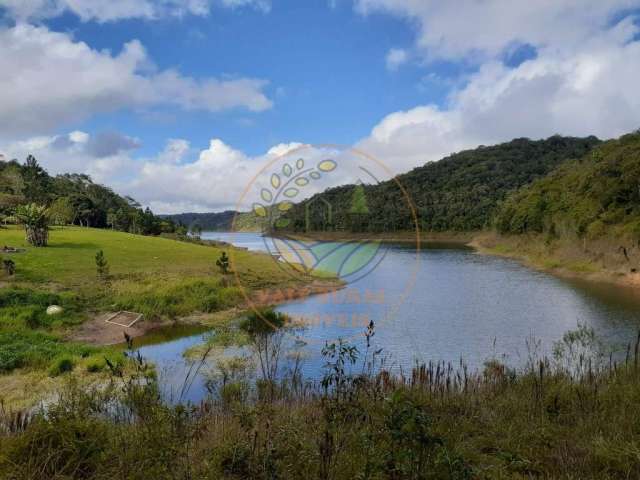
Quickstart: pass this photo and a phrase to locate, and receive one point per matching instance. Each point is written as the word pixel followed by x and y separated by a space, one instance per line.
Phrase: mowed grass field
pixel 69 259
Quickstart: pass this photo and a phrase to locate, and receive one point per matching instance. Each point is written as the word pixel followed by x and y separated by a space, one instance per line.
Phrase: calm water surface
pixel 462 305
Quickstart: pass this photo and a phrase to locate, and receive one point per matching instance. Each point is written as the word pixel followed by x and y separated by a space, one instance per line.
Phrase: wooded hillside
pixel 596 194
pixel 458 193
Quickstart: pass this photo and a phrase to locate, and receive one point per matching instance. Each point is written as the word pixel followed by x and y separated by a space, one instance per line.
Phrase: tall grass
pixel 575 415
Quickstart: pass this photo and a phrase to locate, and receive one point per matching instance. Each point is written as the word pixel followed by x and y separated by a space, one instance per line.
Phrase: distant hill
pixel 593 196
pixel 458 193
pixel 217 221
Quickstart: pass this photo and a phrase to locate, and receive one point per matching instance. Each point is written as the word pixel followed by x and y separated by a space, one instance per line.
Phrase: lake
pixel 457 305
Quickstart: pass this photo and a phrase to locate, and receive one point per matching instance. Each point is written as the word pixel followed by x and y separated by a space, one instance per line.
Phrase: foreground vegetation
pixel 572 417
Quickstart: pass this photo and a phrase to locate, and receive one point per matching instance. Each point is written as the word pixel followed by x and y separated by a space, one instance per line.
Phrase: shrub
pixel 25 348
pixel 62 365
pixel 223 263
pixel 102 266
pixel 95 365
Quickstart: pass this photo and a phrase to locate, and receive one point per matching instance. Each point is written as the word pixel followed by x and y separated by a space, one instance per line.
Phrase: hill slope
pixel 218 221
pixel 594 196
pixel 457 193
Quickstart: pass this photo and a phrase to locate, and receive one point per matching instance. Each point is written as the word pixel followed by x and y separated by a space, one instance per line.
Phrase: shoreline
pixel 581 268
pixel 98 333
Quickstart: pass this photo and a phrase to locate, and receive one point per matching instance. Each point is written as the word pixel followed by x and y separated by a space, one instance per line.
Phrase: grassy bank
pixel 404 237
pixel 602 260
pixel 571 417
pixel 165 280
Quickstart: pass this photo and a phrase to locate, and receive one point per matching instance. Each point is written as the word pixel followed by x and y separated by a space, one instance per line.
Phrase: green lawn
pixel 70 257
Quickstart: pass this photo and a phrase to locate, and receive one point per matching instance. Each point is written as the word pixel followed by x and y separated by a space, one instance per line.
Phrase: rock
pixel 54 309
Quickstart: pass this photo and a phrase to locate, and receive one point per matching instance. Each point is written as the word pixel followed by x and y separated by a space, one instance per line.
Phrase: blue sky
pixel 143 93
pixel 325 67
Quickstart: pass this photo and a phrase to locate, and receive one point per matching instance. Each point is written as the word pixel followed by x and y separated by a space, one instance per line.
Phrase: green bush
pixel 24 348
pixel 95 365
pixel 22 307
pixel 62 365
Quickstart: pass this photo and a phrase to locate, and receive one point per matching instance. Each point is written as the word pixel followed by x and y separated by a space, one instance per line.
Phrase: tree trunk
pixel 37 236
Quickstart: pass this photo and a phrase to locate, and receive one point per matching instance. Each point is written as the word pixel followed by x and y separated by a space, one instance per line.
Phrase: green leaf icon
pixel 266 195
pixel 327 165
pixel 259 210
pixel 275 180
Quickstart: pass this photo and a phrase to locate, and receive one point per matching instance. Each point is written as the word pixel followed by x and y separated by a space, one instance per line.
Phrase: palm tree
pixel 36 223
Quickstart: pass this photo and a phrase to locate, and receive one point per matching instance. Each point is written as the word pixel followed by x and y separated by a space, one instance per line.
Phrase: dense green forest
pixel 588 197
pixel 73 199
pixel 206 221
pixel 218 221
pixel 458 193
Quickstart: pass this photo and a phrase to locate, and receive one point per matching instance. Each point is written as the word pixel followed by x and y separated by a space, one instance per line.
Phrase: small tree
pixel 102 266
pixel 61 211
pixel 9 266
pixel 223 263
pixel 266 330
pixel 35 219
pixel 359 209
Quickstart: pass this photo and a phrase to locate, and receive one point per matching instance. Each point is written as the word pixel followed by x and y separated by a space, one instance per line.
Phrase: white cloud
pixel 113 10
pixel 214 181
pixel 48 79
pixel 263 5
pixel 395 58
pixel 105 156
pixel 457 29
pixel 589 91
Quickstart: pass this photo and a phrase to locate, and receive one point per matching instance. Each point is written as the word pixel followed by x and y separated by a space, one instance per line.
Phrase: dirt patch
pixel 98 331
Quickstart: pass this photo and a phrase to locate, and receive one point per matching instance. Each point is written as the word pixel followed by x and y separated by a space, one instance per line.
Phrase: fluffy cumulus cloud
pixel 486 27
pixel 112 10
pixel 215 181
pixel 178 178
pixel 106 156
pixel 581 81
pixel 48 79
